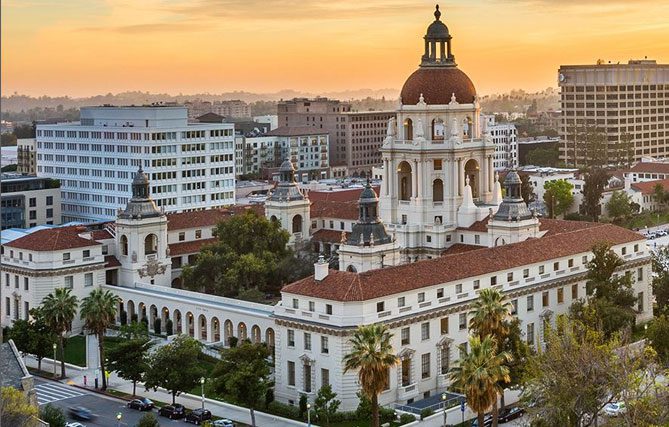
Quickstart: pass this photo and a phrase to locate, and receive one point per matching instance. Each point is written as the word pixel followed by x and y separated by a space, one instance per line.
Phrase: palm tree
pixel 478 374
pixel 372 354
pixel 59 309
pixel 98 311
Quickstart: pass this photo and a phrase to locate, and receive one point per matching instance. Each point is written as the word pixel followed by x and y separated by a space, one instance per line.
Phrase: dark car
pixel 142 404
pixel 487 421
pixel 197 416
pixel 173 412
pixel 80 413
pixel 509 414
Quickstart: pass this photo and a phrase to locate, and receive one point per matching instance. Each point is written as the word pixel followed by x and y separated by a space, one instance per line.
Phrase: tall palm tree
pixel 478 374
pixel 372 354
pixel 59 308
pixel 98 311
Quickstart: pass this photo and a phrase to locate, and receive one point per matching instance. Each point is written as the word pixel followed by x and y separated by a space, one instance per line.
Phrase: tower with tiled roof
pixel 433 149
pixel 141 238
pixel 289 205
pixel 513 222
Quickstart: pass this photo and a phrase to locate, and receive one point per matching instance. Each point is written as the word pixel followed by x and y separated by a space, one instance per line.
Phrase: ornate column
pixel 491 174
pixel 386 176
pixel 419 183
pixel 445 171
pixel 461 172
pixel 414 181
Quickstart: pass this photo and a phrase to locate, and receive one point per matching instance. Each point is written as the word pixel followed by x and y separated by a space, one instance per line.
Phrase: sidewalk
pixel 217 408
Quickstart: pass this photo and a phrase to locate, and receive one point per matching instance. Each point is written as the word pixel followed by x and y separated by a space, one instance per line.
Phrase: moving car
pixel 615 409
pixel 198 416
pixel 487 421
pixel 223 423
pixel 509 414
pixel 142 404
pixel 80 413
pixel 74 424
pixel 173 412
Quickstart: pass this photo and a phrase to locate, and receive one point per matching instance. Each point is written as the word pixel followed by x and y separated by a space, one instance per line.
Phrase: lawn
pixel 75 349
pixel 650 219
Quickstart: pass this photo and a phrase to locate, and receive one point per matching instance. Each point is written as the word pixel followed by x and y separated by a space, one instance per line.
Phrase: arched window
pixel 297 224
pixel 150 244
pixel 124 245
pixel 408 129
pixel 351 269
pixel 438 129
pixel 467 128
pixel 404 181
pixel 437 190
pixel 273 218
pixel 472 172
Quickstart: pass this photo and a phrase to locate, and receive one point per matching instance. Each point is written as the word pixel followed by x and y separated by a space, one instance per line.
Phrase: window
pixel 8 306
pixel 66 256
pixel 312 306
pixel 560 295
pixel 526 273
pixel 493 281
pixel 584 259
pixel 639 274
pixel 401 301
pixel 405 335
pixel 425 365
pixel 198 234
pixel 68 282
pixel 541 269
pixel 440 293
pixel 574 291
pixel 444 325
pixel 88 279
pixel 458 288
pixel 530 333
pixel 509 277
pixel 530 303
pixel 182 236
pixel 325 377
pixel 291 338
pixel 445 355
pixel 296 303
pixel 623 250
pixel 25 284
pixel 33 214
pixel 87 253
pixel 462 321
pixel 636 248
pixel 16 282
pixel 477 284
pixel 32 202
pixel 425 331
pixel 380 306
pixel 325 346
pixel 437 164
pixel 421 296
pixel 291 373
pixel 514 307
pixel 544 299
pixel 49 200
pixel 570 263
pixel 328 308
pixel 307 341
pixel 49 213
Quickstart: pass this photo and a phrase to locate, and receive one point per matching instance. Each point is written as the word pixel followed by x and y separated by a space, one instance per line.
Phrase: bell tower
pixel 513 222
pixel 289 205
pixel 141 238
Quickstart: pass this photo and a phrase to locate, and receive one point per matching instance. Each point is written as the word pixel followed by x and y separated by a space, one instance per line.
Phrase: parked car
pixel 142 404
pixel 223 423
pixel 197 416
pixel 487 421
pixel 74 424
pixel 509 414
pixel 80 413
pixel 615 409
pixel 173 412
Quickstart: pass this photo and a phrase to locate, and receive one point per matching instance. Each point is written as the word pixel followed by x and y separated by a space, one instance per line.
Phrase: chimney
pixel 321 269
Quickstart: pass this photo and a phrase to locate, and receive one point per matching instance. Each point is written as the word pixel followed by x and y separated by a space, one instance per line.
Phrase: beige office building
pixel 25 155
pixel 628 103
pixel 365 132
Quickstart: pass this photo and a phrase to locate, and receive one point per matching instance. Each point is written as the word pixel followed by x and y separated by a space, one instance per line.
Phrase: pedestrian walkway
pixel 53 392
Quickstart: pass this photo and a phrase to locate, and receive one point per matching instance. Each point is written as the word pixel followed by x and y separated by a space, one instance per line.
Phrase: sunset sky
pixel 87 47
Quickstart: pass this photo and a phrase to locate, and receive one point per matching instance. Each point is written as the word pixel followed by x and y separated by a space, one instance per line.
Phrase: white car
pixel 223 423
pixel 615 409
pixel 75 424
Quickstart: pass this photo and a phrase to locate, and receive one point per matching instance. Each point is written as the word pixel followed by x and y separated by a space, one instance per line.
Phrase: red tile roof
pixel 650 167
pixel 648 187
pixel 101 235
pixel 192 247
pixel 348 195
pixel 459 248
pixel 551 226
pixel 333 209
pixel 329 236
pixel 208 217
pixel 53 239
pixel 111 261
pixel 348 286
pixel 296 131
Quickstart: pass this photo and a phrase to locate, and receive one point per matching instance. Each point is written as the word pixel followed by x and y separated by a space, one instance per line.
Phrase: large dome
pixel 438 84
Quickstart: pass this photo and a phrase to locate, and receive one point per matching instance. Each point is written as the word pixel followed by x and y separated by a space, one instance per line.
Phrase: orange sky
pixel 87 47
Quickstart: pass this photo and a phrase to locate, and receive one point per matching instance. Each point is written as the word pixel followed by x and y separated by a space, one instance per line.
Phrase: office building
pixel 28 201
pixel 191 165
pixel 26 159
pixel 365 132
pixel 628 104
pixel 504 136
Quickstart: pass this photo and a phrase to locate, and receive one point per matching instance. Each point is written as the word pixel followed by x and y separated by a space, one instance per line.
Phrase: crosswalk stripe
pixel 47 393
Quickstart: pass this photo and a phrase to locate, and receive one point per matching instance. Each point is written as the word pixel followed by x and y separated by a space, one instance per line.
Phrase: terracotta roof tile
pixel 329 236
pixel 348 195
pixel 208 217
pixel 648 187
pixel 192 247
pixel 111 261
pixel 101 235
pixel 348 286
pixel 53 239
pixel 459 248
pixel 650 167
pixel 334 209
pixel 551 226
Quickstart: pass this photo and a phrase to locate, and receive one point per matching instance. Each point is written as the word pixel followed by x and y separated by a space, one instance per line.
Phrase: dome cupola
pixel 513 207
pixel 369 230
pixel 287 189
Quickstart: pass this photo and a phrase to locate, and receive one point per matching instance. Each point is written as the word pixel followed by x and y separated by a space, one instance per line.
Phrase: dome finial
pixel 437 14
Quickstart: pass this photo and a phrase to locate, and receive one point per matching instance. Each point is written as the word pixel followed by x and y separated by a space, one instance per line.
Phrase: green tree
pixel 148 420
pixel 33 336
pixel 181 353
pixel 489 315
pixel 372 356
pixel 242 375
pixel 247 254
pixel 596 150
pixel 15 409
pixel 479 373
pixel 53 415
pixel 526 188
pixel 658 336
pixel 548 157
pixel 661 279
pixel 659 195
pixel 326 404
pixel 129 358
pixel 59 308
pixel 9 168
pixel 593 188
pixel 619 206
pixel 157 325
pixel 558 197
pixel 515 345
pixel 98 311
pixel 625 152
pixel 169 327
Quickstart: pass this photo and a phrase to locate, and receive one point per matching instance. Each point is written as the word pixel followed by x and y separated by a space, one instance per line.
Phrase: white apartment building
pixel 504 136
pixel 191 165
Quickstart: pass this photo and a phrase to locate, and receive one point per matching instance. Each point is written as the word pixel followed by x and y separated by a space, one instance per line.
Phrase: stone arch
pixel 273 218
pixel 269 340
pixel 352 269
pixel 153 313
pixel 178 322
pixel 150 244
pixel 177 283
pixel 255 334
pixel 131 310
pixel 164 317
pixel 227 331
pixel 141 312
pixel 242 332
pixel 123 242
pixel 404 181
pixel 438 129
pixel 437 190
pixel 473 172
pixel 190 324
pixel 120 306
pixel 215 329
pixel 467 128
pixel 408 129
pixel 297 224
pixel 202 327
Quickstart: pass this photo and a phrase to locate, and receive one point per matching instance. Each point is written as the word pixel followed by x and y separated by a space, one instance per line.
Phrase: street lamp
pixel 443 402
pixel 202 385
pixel 309 414
pixel 54 359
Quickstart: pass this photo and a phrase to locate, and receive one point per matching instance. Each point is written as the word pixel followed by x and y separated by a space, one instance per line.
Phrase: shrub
pixel 145 322
pixel 407 418
pixel 169 327
pixel 148 420
pixel 133 318
pixel 269 396
pixel 303 405
pixel 426 413
pixel 282 410
pixel 364 410
pixel 233 341
pixel 124 317
pixel 386 414
pixel 156 326
pixel 53 416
